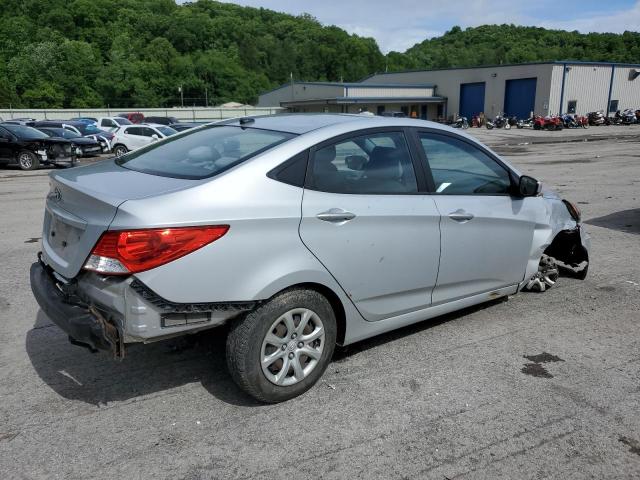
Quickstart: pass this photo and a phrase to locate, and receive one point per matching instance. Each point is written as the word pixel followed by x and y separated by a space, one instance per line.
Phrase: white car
pixel 111 124
pixel 132 137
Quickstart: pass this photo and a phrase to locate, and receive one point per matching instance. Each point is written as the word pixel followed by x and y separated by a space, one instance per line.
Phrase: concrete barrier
pixel 187 114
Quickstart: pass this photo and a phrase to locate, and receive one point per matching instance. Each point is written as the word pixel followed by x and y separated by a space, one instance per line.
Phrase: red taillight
pixel 132 251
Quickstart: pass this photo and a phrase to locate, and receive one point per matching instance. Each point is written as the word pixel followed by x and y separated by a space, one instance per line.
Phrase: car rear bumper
pixel 83 323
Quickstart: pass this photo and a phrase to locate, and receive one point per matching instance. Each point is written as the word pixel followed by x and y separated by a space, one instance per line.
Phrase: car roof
pixel 300 123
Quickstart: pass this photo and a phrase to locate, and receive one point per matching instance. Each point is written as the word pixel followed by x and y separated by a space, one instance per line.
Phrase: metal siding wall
pixel 589 85
pixel 389 92
pixel 553 103
pixel 626 91
pixel 448 84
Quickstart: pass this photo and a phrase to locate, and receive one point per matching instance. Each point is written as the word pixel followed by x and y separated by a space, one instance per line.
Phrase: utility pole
pixel 292 94
pixel 181 96
pixel 206 97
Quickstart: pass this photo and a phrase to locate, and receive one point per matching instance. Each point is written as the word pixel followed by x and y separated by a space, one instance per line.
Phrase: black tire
pixel 28 160
pixel 246 336
pixel 120 150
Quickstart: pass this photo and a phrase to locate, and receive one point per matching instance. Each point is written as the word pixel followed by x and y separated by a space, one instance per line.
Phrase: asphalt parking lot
pixel 539 386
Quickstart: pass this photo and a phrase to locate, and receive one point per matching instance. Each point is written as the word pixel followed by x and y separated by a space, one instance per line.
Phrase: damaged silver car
pixel 299 232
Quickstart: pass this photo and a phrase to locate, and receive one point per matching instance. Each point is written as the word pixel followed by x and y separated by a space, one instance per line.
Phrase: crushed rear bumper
pixel 84 324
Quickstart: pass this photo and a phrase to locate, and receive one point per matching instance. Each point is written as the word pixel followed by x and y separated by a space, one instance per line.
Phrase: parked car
pixel 111 124
pixel 298 231
pixel 135 117
pixel 132 137
pixel 162 120
pixel 92 120
pixel 182 126
pixel 88 147
pixel 30 148
pixel 85 129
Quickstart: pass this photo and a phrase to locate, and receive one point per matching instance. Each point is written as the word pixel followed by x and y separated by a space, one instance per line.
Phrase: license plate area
pixel 63 237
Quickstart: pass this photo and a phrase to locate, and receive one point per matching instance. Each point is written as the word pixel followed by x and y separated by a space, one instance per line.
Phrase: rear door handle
pixel 336 215
pixel 461 216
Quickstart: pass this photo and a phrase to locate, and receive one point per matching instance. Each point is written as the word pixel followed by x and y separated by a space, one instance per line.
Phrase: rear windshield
pixel 27 133
pixel 122 121
pixel 203 152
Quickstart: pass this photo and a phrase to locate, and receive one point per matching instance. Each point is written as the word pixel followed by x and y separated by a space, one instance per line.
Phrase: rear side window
pixel 459 168
pixel 202 153
pixel 377 163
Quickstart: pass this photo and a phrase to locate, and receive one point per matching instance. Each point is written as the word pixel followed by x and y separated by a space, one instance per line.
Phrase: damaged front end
pixel 561 246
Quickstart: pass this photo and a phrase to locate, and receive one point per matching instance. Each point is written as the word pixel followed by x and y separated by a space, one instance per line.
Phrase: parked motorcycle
pixel 568 121
pixel 461 122
pixel 598 118
pixel 498 122
pixel 548 123
pixel 528 123
pixel 628 116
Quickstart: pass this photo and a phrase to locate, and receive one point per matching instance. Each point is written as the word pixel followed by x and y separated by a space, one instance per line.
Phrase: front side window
pixel 459 168
pixel 26 133
pixel 378 163
pixel 203 152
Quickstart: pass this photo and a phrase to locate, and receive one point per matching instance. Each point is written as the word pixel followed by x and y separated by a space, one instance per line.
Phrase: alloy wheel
pixel 292 347
pixel 26 161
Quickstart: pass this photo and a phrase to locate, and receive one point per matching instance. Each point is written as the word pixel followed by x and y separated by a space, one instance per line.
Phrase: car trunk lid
pixel 83 201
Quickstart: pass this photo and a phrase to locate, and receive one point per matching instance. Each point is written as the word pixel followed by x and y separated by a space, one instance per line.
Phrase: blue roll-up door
pixel 471 99
pixel 520 97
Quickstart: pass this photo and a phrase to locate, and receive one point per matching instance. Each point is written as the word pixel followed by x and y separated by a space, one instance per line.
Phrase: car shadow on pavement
pixel 77 374
pixel 627 221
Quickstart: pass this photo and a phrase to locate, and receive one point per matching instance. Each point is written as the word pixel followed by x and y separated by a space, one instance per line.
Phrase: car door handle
pixel 336 215
pixel 461 216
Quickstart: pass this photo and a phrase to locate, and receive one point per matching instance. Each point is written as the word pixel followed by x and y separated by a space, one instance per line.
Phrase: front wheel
pixel 28 160
pixel 282 348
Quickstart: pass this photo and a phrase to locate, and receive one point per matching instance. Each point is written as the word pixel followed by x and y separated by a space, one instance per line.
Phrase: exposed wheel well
pixel 336 304
pixel 567 248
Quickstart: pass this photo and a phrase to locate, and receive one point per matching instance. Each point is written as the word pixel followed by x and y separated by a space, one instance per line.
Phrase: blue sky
pixel 399 24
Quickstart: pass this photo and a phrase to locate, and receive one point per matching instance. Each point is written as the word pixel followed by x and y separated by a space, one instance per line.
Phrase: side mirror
pixel 528 186
pixel 355 162
pixel 154 137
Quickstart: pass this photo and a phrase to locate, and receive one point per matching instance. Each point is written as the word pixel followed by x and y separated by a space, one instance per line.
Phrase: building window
pixel 613 106
pixel 571 108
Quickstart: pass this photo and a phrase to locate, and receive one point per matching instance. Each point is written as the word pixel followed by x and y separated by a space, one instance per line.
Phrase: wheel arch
pixel 567 248
pixel 334 300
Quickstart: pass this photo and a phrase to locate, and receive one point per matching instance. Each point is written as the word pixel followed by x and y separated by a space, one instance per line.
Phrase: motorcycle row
pixel 551 122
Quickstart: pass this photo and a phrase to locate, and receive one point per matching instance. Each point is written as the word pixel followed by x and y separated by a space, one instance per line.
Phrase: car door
pixel 486 233
pixel 7 146
pixel 366 218
pixel 136 138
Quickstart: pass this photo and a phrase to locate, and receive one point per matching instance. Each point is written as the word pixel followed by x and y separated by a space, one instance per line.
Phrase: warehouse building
pixel 542 88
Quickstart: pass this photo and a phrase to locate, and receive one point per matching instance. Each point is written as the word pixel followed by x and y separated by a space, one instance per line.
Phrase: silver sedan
pixel 299 232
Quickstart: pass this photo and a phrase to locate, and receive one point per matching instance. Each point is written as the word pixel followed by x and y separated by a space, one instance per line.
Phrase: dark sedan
pixel 29 148
pixel 89 147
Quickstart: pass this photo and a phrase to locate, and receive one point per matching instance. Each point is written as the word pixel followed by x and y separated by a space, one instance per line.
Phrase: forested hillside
pixel 87 53
pixel 497 44
pixel 134 53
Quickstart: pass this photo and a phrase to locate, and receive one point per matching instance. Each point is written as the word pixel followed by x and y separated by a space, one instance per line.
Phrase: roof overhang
pixel 362 100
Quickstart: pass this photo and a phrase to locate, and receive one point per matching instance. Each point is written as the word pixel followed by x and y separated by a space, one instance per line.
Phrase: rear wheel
pixel 28 160
pixel 120 150
pixel 282 348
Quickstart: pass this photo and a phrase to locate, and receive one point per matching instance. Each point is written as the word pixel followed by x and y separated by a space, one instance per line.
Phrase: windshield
pixel 89 129
pixel 166 131
pixel 122 121
pixel 202 153
pixel 27 133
